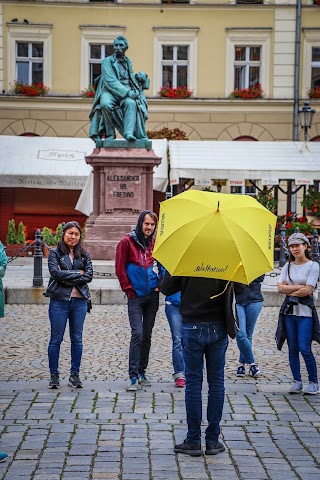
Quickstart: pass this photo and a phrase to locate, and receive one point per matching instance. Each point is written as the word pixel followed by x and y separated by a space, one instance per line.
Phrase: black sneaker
pixel 185 447
pixel 241 371
pixel 54 381
pixel 214 448
pixel 254 370
pixel 74 380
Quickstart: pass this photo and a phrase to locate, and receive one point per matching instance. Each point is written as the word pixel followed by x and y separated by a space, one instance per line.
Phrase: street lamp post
pixel 305 118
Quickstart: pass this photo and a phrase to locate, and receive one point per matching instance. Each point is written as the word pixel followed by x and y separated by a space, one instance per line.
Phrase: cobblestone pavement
pixel 103 432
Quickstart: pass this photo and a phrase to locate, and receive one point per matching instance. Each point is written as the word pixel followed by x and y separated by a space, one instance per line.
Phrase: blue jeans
pixel 60 311
pixel 248 316
pixel 175 321
pixel 299 338
pixel 199 340
pixel 142 314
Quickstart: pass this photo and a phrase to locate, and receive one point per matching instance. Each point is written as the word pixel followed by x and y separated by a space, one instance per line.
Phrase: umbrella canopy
pixel 215 235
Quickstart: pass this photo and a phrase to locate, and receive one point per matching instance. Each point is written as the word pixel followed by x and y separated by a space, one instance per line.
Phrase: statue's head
pixel 120 45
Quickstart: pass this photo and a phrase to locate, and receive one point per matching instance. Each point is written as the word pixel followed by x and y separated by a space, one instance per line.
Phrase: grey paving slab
pixel 103 432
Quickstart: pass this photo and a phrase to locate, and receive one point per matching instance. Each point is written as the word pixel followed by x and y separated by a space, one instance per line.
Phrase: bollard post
pixel 37 261
pixel 282 255
pixel 315 247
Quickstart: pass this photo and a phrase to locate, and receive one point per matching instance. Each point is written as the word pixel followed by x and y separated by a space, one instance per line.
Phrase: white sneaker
pixel 296 387
pixel 311 389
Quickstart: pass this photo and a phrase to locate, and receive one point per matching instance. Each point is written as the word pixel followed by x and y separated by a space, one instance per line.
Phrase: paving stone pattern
pixel 103 432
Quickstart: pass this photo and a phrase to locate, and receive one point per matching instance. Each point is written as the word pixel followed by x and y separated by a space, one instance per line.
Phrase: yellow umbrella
pixel 215 235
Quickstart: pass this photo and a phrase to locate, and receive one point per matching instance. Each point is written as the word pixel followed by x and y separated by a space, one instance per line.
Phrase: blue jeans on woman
pixel 248 316
pixel 175 322
pixel 199 340
pixel 60 311
pixel 142 313
pixel 299 338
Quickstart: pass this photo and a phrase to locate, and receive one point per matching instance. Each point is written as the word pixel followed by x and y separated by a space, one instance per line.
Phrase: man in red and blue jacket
pixel 139 278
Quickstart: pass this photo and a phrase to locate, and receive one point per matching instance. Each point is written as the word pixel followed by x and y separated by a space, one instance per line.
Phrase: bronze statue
pixel 119 100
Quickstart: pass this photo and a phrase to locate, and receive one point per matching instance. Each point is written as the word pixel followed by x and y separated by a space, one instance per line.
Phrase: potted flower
pixel 247 93
pixel 32 90
pixel 267 199
pixel 89 92
pixel 179 92
pixel 314 92
pixel 15 240
pixel 311 202
pixel 48 240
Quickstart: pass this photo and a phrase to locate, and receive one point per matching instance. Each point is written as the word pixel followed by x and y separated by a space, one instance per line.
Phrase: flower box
pixel 179 92
pixel 88 92
pixel 248 93
pixel 314 92
pixel 33 90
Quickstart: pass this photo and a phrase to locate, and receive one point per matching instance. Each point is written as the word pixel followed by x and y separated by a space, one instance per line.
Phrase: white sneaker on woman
pixel 311 389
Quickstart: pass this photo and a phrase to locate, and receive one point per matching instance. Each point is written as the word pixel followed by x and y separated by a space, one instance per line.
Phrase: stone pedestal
pixel 122 188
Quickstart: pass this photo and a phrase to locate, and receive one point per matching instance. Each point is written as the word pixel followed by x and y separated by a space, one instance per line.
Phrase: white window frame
pixel 30 33
pixel 175 36
pixel 97 34
pixel 175 63
pixel 248 38
pixel 96 61
pixel 29 60
pixel 311 39
pixel 247 63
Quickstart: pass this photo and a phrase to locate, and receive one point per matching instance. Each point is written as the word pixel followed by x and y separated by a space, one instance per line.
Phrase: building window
pixel 175 58
pixel 29 62
pixel 175 65
pixel 315 67
pixel 29 53
pixel 246 189
pixel 247 58
pixel 311 59
pixel 97 53
pixel 96 44
pixel 247 63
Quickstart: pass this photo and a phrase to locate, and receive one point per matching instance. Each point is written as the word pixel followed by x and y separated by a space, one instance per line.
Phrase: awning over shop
pixel 58 162
pixel 265 161
pixel 44 162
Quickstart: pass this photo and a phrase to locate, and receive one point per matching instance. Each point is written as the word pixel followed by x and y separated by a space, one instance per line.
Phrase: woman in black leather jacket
pixel 70 270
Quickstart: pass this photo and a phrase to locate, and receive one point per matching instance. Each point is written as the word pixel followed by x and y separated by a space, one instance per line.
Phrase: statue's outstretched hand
pixel 133 94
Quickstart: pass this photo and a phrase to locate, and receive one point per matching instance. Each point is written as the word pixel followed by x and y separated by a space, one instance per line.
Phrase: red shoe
pixel 180 382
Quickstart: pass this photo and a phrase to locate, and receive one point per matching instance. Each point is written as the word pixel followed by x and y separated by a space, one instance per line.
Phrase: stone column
pixel 122 188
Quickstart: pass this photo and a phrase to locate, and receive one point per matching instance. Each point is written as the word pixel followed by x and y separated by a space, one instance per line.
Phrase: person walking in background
pixel 249 303
pixel 3 266
pixel 298 319
pixel 204 335
pixel 172 304
pixel 70 270
pixel 139 278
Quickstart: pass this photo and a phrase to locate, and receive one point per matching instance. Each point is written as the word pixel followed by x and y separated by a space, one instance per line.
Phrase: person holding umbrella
pixel 204 336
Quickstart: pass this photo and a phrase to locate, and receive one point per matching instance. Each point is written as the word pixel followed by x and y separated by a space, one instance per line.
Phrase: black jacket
pixel 64 275
pixel 196 305
pixel 286 308
pixel 251 293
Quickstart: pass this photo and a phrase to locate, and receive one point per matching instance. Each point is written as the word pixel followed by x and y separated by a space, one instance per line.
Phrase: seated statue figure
pixel 119 101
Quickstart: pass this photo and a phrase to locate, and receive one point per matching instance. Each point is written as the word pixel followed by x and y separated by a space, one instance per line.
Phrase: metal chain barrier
pixel 101 274
pixel 19 254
